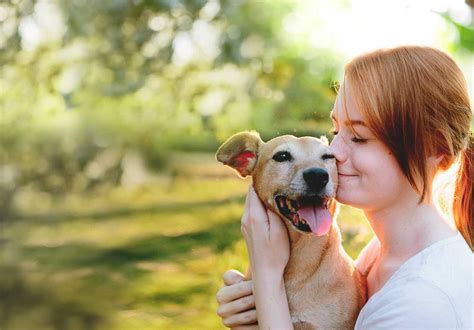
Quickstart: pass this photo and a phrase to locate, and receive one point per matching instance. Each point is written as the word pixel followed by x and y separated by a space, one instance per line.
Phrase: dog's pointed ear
pixel 324 140
pixel 240 152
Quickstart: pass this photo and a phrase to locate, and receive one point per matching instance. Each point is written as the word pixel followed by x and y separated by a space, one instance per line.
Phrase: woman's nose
pixel 339 149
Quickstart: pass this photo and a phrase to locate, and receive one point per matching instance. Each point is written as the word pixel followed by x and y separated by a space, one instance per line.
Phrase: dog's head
pixel 294 177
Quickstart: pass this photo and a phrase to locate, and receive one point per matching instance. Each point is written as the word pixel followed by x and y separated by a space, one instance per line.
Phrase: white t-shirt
pixel 431 290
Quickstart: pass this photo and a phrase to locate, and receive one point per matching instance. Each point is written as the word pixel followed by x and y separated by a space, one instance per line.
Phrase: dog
pixel 297 179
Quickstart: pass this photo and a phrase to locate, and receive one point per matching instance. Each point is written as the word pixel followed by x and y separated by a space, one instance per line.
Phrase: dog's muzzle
pixel 308 214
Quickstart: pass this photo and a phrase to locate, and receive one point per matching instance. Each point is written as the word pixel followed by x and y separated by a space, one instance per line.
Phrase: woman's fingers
pixel 259 211
pixel 245 318
pixel 237 306
pixel 276 224
pixel 253 326
pixel 235 291
pixel 255 217
pixel 233 276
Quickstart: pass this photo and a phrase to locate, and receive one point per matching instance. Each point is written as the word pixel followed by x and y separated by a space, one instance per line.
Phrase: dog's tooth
pixel 293 218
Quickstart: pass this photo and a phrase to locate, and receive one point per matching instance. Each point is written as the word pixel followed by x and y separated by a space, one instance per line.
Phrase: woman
pixel 401 117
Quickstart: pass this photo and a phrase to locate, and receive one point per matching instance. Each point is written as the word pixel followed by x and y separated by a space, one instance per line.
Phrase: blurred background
pixel 114 213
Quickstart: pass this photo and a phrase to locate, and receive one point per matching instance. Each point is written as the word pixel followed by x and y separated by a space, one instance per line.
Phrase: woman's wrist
pixel 267 270
pixel 271 302
pixel 268 278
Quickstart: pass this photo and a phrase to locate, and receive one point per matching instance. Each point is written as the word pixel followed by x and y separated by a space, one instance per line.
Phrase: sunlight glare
pixel 363 25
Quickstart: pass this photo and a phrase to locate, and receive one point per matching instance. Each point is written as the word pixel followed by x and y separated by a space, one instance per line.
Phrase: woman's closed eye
pixel 358 140
pixel 354 139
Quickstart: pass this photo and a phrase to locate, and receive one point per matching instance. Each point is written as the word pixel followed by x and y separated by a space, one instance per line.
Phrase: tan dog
pixel 297 179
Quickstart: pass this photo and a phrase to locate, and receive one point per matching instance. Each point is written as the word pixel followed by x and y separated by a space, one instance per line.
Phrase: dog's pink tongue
pixel 318 218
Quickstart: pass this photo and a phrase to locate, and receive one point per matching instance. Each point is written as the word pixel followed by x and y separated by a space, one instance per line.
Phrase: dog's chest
pixel 299 324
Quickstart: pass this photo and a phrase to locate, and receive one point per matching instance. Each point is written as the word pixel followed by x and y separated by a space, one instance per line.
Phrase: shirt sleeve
pixel 415 304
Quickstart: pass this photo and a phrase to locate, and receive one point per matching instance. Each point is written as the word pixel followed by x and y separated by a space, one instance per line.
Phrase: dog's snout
pixel 316 178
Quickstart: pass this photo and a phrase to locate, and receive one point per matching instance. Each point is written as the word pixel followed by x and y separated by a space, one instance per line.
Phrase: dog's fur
pixel 324 289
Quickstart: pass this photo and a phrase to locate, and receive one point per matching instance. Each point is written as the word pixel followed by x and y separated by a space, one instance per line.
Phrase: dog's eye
pixel 327 156
pixel 282 156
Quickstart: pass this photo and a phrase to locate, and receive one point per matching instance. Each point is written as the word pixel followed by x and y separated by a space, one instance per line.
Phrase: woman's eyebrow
pixel 355 122
pixel 349 122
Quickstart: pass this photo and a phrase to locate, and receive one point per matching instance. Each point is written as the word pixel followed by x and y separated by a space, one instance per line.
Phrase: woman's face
pixel 369 175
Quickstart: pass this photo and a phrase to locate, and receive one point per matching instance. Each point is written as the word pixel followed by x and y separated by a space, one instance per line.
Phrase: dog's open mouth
pixel 308 214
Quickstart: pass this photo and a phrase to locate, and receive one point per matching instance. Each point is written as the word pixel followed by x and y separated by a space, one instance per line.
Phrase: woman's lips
pixel 345 174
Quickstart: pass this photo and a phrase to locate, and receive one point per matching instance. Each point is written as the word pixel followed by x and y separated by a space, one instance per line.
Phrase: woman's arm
pixel 268 248
pixel 271 303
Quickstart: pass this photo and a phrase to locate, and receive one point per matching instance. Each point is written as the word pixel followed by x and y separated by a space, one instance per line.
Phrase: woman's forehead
pixel 345 107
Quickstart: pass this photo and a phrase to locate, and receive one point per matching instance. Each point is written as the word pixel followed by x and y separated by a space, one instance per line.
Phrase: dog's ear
pixel 324 140
pixel 240 152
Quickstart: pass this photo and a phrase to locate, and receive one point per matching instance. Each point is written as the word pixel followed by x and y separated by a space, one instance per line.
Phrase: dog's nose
pixel 316 178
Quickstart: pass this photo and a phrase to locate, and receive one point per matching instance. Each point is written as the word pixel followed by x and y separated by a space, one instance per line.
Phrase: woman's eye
pixel 282 156
pixel 354 139
pixel 358 140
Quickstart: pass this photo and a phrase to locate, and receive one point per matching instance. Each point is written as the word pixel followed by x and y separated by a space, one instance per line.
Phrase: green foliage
pixel 42 306
pixel 80 99
pixel 465 35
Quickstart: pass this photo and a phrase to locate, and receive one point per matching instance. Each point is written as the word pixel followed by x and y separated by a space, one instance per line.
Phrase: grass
pixel 143 258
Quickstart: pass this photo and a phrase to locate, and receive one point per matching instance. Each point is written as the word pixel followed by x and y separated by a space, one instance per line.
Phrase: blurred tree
pixel 465 32
pixel 149 76
pixel 126 42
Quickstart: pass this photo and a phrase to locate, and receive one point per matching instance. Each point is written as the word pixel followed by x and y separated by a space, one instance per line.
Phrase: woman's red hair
pixel 416 101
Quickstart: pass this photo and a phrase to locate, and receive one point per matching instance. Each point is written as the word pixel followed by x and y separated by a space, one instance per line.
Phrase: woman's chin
pixel 350 198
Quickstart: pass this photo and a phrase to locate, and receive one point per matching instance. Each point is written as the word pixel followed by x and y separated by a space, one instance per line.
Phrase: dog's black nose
pixel 316 178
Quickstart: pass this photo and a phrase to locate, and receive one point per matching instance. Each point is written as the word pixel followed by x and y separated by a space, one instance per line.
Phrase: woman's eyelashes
pixel 354 139
pixel 358 140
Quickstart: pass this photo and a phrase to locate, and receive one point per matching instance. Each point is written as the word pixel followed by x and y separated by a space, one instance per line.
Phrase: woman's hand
pixel 266 237
pixel 269 251
pixel 240 301
pixel 237 302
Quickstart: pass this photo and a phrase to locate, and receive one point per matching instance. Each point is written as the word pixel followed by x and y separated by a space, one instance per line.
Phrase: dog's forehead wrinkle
pixel 305 147
pixel 314 149
pixel 283 147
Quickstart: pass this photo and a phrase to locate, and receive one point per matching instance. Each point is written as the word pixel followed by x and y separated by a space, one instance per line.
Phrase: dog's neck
pixel 307 250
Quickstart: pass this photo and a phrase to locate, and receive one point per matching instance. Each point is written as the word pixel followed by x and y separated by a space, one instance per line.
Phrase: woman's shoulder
pixel 445 267
pixel 447 263
pixel 410 302
pixel 450 267
pixel 444 256
pixel 436 285
pixel 367 256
